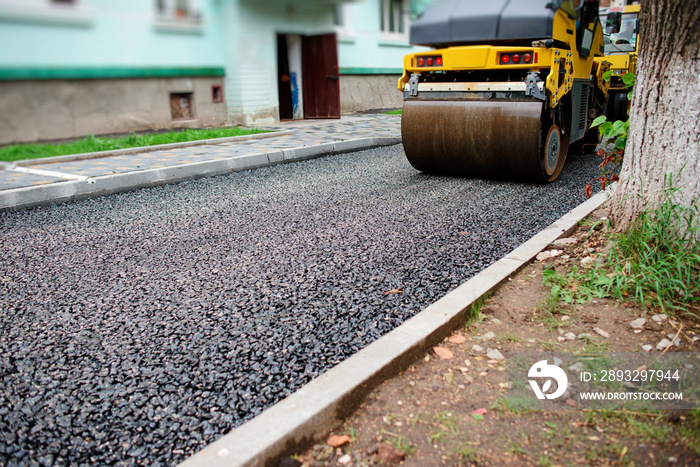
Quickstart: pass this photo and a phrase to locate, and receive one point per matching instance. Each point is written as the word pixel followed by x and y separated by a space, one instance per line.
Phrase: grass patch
pixel 547 312
pixel 689 431
pixel 593 345
pixel 508 336
pixel 655 263
pixel 515 404
pixel 576 287
pixel 448 420
pixel 467 453
pixel 400 442
pixel 437 437
pixel 17 152
pixel 474 315
pixel 394 112
pixel 658 260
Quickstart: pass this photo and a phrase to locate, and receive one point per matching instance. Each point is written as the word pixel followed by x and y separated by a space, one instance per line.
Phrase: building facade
pixel 71 68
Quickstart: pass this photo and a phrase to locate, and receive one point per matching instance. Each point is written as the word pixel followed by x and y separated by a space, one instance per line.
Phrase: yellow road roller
pixel 507 86
pixel 621 35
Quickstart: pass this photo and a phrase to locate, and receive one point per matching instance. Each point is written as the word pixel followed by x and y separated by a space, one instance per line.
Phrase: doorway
pixel 307 80
pixel 284 79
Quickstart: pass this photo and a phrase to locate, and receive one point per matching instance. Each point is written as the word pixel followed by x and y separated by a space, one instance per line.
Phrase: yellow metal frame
pixel 621 63
pixel 602 66
pixel 487 57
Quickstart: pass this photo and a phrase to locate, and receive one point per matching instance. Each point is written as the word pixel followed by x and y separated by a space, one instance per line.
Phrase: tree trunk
pixel 664 133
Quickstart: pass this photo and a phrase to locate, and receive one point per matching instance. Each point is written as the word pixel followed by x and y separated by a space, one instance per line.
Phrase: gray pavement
pixel 310 412
pixel 31 183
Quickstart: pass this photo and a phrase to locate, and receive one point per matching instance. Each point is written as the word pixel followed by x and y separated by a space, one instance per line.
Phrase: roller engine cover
pixel 455 22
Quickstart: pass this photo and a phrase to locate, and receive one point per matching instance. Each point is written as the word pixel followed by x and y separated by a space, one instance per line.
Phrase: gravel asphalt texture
pixel 137 328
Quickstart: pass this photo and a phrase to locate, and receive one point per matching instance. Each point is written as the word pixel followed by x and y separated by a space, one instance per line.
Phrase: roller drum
pixel 482 138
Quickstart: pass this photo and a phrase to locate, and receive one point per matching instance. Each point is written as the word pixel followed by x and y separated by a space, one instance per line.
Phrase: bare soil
pixel 453 410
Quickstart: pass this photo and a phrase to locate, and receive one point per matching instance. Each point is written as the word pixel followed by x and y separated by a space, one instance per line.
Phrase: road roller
pixel 621 35
pixel 507 86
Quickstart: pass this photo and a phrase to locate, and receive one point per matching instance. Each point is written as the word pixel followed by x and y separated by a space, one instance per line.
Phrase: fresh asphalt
pixel 30 183
pixel 168 316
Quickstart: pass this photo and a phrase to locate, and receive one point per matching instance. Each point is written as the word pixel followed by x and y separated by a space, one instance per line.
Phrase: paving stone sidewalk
pixel 306 133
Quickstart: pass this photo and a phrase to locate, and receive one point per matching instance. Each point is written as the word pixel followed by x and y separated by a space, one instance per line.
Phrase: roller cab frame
pixel 507 108
pixel 621 53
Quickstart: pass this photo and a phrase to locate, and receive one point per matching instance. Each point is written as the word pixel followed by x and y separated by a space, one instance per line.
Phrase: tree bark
pixel 664 133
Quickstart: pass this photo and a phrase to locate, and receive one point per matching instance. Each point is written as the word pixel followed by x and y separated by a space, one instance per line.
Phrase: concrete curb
pixel 142 149
pixel 93 187
pixel 311 412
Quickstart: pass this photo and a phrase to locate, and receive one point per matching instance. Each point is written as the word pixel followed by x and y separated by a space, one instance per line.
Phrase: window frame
pixel 170 18
pixel 342 24
pixel 391 29
pixel 49 12
pixel 172 10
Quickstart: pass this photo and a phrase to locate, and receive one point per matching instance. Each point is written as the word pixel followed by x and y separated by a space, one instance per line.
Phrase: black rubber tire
pixel 616 106
pixel 552 152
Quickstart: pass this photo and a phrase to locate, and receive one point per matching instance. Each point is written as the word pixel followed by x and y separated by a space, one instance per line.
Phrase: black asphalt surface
pixel 137 328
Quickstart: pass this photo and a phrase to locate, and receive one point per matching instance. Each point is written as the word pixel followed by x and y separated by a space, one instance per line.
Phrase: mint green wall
pixel 120 33
pixel 120 38
pixel 363 48
pixel 251 47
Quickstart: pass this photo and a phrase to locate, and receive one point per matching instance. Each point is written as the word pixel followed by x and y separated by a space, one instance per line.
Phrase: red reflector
pixel 438 61
pixel 429 61
pixel 535 57
pixel 516 58
pixel 527 58
pixel 505 58
pixel 421 61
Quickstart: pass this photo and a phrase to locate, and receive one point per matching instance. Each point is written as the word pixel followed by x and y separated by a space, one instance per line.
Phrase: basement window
pixel 181 106
pixel 217 93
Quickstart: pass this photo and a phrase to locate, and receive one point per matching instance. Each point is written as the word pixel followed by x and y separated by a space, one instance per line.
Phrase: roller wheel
pixel 553 154
pixel 616 107
pixel 483 138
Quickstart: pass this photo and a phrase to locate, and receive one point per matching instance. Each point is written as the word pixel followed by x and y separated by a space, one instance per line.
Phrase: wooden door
pixel 319 63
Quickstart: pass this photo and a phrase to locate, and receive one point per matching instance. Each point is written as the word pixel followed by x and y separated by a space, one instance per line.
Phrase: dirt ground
pixel 452 408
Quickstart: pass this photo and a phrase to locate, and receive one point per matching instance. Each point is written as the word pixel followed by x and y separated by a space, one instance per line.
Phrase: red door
pixel 319 67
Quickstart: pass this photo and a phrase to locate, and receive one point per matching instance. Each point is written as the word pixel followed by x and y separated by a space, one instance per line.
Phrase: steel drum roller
pixel 481 138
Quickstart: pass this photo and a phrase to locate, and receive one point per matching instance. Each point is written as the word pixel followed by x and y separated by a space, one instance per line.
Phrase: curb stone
pixel 313 411
pixel 93 187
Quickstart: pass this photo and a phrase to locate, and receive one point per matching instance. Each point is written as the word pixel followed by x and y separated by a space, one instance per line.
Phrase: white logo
pixel 542 370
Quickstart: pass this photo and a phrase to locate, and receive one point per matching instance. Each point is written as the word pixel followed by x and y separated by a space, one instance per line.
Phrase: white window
pixel 341 22
pixel 55 12
pixel 394 17
pixel 177 9
pixel 41 3
pixel 178 16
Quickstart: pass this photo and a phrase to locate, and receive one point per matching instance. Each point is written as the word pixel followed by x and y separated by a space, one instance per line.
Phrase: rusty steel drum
pixel 483 138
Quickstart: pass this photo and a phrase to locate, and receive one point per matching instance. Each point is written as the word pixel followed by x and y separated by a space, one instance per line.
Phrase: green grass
pixel 400 442
pixel 394 112
pixel 576 287
pixel 658 260
pixel 655 263
pixel 467 453
pixel 547 311
pixel 93 144
pixel 474 315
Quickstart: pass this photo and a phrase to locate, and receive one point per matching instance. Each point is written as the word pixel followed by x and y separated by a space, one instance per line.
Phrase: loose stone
pixel 663 344
pixel 638 323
